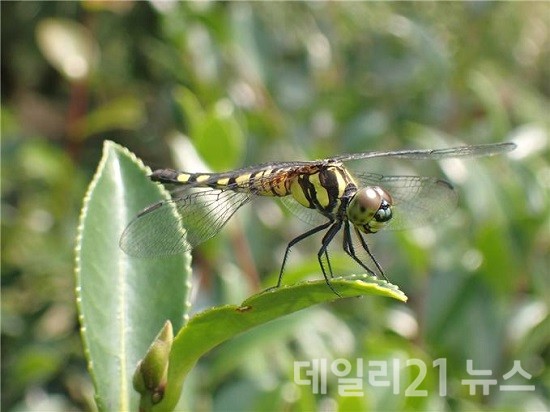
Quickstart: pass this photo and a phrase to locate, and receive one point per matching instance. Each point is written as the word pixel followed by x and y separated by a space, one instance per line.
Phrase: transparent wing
pixel 453 152
pixel 201 214
pixel 418 200
pixel 310 216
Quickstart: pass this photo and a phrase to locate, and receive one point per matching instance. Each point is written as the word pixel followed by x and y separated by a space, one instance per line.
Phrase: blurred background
pixel 217 86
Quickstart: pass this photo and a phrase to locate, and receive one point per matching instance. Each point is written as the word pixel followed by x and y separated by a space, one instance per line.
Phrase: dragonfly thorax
pixel 323 188
pixel 370 209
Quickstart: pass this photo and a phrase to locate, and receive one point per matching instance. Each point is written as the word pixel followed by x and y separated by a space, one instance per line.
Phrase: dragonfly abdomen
pixel 261 182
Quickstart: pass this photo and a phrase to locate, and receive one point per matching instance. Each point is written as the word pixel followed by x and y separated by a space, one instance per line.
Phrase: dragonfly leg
pixel 366 247
pixel 350 250
pixel 328 264
pixel 335 228
pixel 296 240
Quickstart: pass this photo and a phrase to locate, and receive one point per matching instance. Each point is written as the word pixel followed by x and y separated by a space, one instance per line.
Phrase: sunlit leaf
pixel 68 46
pixel 214 326
pixel 123 301
pixel 127 112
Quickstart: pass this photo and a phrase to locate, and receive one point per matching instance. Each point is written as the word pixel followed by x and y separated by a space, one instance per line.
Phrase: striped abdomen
pixel 262 182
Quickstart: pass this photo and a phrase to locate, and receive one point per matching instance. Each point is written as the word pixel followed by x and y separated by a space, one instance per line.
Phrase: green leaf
pixel 68 46
pixel 123 301
pixel 125 112
pixel 190 108
pixel 212 127
pixel 214 326
pixel 220 129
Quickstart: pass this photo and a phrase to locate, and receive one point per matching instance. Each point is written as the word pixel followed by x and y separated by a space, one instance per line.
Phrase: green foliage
pixel 216 124
pixel 254 82
pixel 214 326
pixel 123 302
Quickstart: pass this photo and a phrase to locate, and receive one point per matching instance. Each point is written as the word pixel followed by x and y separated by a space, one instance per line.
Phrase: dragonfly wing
pixel 310 216
pixel 175 226
pixel 418 200
pixel 435 154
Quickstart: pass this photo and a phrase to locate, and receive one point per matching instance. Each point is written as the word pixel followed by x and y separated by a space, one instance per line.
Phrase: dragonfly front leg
pixel 366 247
pixel 350 250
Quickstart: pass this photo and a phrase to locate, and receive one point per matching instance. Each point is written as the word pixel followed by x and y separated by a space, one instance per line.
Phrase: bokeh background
pixel 215 86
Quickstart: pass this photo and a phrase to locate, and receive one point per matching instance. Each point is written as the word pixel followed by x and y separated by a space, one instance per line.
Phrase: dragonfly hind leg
pixel 335 228
pixel 296 240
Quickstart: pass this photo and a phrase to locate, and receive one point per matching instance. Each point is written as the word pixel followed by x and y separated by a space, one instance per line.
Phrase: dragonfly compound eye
pixel 370 209
pixel 384 212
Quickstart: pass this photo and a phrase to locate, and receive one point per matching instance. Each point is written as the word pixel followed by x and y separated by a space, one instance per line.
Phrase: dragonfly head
pixel 370 209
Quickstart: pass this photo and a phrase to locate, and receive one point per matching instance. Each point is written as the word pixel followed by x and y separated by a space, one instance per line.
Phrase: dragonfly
pixel 324 193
